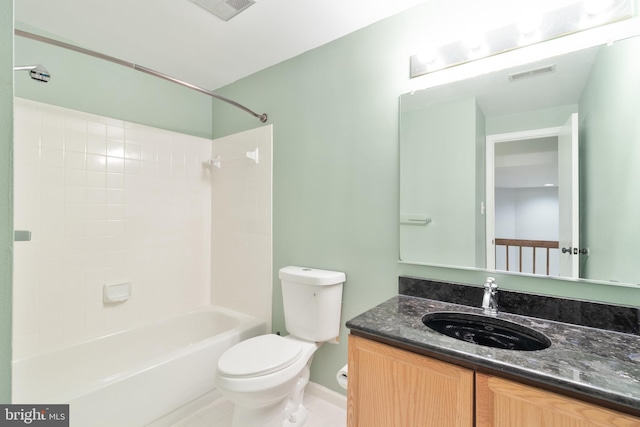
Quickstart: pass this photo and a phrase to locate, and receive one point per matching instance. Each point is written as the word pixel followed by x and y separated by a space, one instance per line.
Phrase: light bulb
pixel 597 7
pixel 529 25
pixel 427 55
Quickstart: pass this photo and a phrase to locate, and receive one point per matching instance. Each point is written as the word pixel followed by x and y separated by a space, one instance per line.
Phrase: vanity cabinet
pixel 391 387
pixel 504 403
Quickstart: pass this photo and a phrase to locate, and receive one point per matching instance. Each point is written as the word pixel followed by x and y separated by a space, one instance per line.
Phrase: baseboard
pixel 322 392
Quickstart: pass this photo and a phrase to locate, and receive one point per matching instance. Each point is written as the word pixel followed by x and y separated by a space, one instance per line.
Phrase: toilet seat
pixel 259 356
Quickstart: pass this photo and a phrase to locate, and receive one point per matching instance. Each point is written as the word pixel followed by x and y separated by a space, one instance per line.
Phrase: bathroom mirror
pixel 507 127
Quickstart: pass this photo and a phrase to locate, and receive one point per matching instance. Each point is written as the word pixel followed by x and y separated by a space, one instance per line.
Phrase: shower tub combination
pixel 133 377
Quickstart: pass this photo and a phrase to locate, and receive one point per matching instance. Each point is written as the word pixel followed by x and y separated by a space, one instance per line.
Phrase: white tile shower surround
pixel 108 202
pixel 322 413
pixel 241 210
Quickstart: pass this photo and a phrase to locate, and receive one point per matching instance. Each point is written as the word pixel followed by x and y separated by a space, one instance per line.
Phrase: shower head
pixel 36 72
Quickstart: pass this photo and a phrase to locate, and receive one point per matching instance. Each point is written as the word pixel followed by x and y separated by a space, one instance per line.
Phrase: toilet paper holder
pixel 342 376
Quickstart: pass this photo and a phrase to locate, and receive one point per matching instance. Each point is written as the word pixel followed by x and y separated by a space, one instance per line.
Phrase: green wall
pixel 85 83
pixel 6 194
pixel 609 133
pixel 336 193
pixel 429 135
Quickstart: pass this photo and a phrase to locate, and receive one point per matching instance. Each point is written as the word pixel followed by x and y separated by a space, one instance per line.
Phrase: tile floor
pixel 218 414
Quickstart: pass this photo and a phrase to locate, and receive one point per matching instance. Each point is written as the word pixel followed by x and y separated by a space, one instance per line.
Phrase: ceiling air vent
pixel 224 9
pixel 532 73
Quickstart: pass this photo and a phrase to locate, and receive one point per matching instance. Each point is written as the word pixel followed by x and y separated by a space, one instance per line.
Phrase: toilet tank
pixel 312 300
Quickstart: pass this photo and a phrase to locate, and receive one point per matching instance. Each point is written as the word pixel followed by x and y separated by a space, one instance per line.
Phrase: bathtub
pixel 133 377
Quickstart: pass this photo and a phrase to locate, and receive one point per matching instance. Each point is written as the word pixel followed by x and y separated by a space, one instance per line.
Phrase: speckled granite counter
pixel 590 362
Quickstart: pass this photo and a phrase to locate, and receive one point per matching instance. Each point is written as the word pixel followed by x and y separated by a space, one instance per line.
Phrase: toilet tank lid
pixel 311 276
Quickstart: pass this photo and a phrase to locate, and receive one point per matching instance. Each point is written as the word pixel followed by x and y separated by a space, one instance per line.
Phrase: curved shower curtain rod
pixel 263 117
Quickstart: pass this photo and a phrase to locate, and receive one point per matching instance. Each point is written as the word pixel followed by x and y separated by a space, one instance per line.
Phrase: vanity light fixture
pixel 530 29
pixel 597 12
pixel 534 28
pixel 431 58
pixel 475 45
pixel 597 7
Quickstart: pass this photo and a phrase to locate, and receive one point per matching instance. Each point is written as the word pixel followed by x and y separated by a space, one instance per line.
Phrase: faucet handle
pixel 490 284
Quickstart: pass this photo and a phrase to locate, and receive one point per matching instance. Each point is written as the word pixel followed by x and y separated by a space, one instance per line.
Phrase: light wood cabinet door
pixel 504 403
pixel 390 387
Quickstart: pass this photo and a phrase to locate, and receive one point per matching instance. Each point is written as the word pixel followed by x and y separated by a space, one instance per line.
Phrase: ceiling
pixel 529 163
pixel 185 41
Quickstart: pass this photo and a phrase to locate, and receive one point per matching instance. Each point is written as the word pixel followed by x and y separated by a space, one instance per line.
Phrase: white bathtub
pixel 132 377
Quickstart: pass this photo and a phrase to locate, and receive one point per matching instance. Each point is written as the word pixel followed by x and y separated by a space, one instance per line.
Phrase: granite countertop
pixel 592 362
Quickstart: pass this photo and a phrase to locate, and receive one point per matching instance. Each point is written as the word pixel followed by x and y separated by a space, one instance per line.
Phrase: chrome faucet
pixel 490 299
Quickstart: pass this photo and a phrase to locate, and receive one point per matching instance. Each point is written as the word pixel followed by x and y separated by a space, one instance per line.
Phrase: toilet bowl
pixel 265 376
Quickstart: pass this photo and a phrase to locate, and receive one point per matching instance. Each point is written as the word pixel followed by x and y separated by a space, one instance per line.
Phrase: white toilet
pixel 265 376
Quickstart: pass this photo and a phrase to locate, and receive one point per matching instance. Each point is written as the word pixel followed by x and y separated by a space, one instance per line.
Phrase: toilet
pixel 265 376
